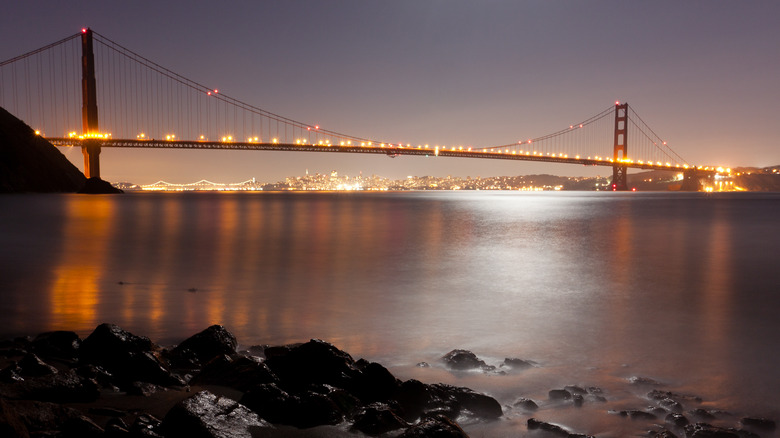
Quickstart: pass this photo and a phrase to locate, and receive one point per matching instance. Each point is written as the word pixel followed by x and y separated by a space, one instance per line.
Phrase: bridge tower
pixel 89 111
pixel 619 180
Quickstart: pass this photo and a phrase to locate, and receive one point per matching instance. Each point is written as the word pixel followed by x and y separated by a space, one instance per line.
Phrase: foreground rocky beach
pixel 117 384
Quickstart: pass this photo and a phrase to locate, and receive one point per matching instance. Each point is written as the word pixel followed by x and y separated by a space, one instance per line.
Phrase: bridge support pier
pixel 91 152
pixel 693 181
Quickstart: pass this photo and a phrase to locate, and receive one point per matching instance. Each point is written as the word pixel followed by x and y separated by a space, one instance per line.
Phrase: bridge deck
pixel 390 150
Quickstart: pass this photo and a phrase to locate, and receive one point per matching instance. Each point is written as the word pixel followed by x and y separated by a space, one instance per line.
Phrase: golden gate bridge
pixel 145 105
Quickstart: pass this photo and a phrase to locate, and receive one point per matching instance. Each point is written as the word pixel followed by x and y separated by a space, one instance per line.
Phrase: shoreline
pixel 115 383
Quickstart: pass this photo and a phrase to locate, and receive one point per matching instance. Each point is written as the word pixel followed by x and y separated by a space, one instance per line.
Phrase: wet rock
pixel 463 360
pixel 534 424
pixel 204 346
pixel 515 364
pixel 241 373
pixel 578 400
pixel 423 365
pixel 271 403
pixel 678 420
pixel 11 374
pixel 480 405
pixel 315 362
pixel 143 389
pixel 40 418
pixel 375 383
pixel 60 388
pixel 413 397
pixel 758 423
pixel 657 394
pixel 702 414
pixel 315 409
pixel 32 366
pixel 645 381
pixel 126 356
pixel 57 344
pixel 526 404
pixel 574 389
pixel 147 426
pixel 663 433
pixel 671 405
pixel 703 430
pixel 207 415
pixel 559 394
pixel 377 419
pixel 11 425
pixel 438 426
pixel 636 414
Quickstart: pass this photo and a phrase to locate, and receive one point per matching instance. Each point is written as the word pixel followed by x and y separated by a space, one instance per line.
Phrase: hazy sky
pixel 705 75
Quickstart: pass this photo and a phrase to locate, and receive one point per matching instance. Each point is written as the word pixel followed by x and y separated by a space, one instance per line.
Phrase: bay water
pixel 594 288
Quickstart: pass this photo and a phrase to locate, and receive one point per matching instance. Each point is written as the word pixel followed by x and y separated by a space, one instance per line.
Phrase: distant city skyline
pixel 703 75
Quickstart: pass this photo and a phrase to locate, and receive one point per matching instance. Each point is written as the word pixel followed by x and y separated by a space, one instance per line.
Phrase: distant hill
pixel 29 163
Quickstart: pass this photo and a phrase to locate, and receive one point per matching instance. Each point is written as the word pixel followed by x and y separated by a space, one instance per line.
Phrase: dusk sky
pixel 703 74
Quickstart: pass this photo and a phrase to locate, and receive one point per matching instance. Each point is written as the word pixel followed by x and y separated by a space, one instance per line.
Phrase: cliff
pixel 29 163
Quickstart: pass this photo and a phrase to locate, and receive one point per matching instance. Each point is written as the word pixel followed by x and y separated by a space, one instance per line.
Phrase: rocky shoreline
pixel 117 384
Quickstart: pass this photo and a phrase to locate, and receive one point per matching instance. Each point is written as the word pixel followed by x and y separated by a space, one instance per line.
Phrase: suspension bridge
pixel 145 105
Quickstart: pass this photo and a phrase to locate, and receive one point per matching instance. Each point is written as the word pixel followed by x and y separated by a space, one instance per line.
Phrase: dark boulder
pixel 559 394
pixel 271 403
pixel 480 405
pixel 636 414
pixel 758 423
pixel 526 404
pixel 126 356
pixel 413 397
pixel 703 430
pixel 678 420
pixel 463 360
pixel 671 405
pixel 11 425
pixel 438 426
pixel 146 426
pixel 514 363
pixel 44 419
pixel 204 346
pixel 377 419
pixel 316 409
pixel 241 373
pixel 315 362
pixel 32 366
pixel 57 344
pixel 534 424
pixel 65 387
pixel 375 383
pixel 205 415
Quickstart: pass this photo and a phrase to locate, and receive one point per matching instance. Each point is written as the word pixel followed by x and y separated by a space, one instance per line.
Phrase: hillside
pixel 29 163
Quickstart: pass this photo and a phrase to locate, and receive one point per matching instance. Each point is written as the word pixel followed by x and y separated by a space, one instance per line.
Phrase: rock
pixel 657 394
pixel 574 389
pixel 514 363
pixel 377 419
pixel 32 366
pixel 315 362
pixel 702 414
pixel 480 405
pixel 758 423
pixel 241 373
pixel 645 381
pixel 559 394
pixel 315 409
pixel 96 186
pixel 663 433
pixel 703 430
pixel 11 425
pixel 42 417
pixel 375 383
pixel 635 414
pixel 146 425
pixel 526 404
pixel 578 400
pixel 206 345
pixel 413 396
pixel 534 424
pixel 438 426
pixel 423 365
pixel 63 387
pixel 126 356
pixel 143 389
pixel 271 403
pixel 463 360
pixel 209 416
pixel 678 420
pixel 671 405
pixel 57 344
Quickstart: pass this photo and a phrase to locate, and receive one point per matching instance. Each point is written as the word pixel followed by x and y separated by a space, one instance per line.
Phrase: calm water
pixel 595 287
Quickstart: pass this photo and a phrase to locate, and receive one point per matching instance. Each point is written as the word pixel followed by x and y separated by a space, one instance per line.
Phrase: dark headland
pixel 30 164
